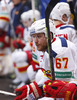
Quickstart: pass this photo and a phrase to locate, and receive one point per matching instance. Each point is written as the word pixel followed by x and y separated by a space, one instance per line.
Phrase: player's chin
pixel 38 48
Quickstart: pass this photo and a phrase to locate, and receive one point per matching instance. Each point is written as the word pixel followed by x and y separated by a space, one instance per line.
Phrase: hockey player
pixel 5 51
pixel 62 17
pixel 5 5
pixel 64 52
pixel 27 21
pixel 21 60
pixel 26 53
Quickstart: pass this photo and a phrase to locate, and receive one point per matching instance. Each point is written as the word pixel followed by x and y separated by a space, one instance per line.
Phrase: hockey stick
pixel 7 93
pixel 48 10
pixel 33 8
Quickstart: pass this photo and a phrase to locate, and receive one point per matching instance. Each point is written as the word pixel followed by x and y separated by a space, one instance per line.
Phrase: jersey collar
pixel 59 25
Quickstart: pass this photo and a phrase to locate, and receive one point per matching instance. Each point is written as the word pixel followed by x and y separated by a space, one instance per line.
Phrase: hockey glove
pixel 19 31
pixel 18 44
pixel 28 92
pixel 60 89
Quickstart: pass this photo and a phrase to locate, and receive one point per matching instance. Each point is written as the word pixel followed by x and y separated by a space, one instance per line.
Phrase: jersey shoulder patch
pixel 63 42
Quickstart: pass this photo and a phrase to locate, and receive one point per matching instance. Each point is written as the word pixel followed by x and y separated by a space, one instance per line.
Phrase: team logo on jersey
pixel 34 56
pixel 47 73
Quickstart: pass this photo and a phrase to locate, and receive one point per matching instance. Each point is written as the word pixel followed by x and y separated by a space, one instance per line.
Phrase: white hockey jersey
pixel 64 58
pixel 26 35
pixel 20 61
pixel 27 39
pixel 37 58
pixel 67 31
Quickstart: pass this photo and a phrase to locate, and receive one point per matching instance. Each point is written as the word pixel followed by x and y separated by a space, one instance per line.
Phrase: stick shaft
pixel 33 8
pixel 47 14
pixel 7 93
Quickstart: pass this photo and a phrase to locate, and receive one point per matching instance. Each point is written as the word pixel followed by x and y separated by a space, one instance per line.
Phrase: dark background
pixel 4 85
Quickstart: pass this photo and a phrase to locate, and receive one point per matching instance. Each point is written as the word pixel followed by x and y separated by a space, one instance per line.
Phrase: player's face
pixel 25 23
pixel 40 41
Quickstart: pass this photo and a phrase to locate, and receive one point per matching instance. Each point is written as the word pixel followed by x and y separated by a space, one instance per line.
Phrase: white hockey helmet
pixel 25 19
pixel 25 16
pixel 29 18
pixel 36 15
pixel 59 10
pixel 39 26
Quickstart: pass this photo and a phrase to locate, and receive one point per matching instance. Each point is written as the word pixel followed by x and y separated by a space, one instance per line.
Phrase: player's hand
pixel 20 31
pixel 26 92
pixel 18 43
pixel 60 89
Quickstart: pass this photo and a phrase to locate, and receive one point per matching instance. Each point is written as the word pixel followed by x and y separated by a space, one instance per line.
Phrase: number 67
pixel 58 62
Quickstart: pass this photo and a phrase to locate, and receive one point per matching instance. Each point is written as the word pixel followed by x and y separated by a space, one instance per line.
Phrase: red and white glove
pixel 28 92
pixel 19 31
pixel 18 43
pixel 60 89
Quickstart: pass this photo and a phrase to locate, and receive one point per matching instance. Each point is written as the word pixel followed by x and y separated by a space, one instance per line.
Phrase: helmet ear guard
pixel 40 27
pixel 59 10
